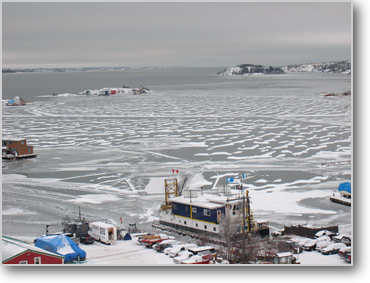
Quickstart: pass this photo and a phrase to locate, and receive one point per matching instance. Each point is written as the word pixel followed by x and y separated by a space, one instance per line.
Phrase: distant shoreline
pixel 343 67
pixel 243 69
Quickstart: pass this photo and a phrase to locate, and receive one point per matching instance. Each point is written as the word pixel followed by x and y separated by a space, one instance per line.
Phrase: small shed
pixel 15 251
pixel 62 245
pixel 283 258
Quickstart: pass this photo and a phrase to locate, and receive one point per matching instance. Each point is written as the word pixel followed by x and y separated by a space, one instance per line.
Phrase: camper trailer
pixel 103 232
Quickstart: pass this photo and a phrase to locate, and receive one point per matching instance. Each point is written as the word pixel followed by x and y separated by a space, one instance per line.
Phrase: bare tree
pixel 228 235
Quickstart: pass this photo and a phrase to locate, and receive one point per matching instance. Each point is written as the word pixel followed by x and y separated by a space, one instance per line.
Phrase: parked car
pixel 177 249
pixel 204 250
pixel 323 239
pixel 322 245
pixel 346 239
pixel 348 257
pixel 344 250
pixel 196 259
pixel 309 245
pixel 182 256
pixel 332 249
pixel 150 240
pixel 163 245
pixel 166 251
pixel 86 239
pixel 325 232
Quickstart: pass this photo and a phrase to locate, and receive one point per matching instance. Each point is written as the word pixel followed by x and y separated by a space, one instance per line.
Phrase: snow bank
pixel 198 181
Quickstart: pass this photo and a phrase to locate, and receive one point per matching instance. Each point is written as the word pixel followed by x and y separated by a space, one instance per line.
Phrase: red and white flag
pixel 175 171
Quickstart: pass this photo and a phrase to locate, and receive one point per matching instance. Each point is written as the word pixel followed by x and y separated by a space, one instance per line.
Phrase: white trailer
pixel 103 232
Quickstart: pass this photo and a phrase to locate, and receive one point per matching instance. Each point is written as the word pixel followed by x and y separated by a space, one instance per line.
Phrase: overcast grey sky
pixel 174 34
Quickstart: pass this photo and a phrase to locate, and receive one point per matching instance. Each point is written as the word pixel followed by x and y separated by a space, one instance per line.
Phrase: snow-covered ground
pixel 132 252
pixel 124 253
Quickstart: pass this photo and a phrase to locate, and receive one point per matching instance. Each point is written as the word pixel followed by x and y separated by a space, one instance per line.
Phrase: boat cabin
pixel 17 148
pixel 204 213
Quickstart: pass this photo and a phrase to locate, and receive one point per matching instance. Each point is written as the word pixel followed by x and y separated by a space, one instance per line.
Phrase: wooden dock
pixel 342 200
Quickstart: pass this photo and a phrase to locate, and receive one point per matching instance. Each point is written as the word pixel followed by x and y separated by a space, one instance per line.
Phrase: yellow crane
pixel 171 191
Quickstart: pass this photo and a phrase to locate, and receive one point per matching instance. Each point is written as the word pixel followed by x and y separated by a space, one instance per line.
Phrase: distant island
pixel 87 69
pixel 247 69
pixel 343 67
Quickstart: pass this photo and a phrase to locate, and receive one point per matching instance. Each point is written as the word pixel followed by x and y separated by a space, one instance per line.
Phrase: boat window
pixel 194 210
pixel 207 212
pixel 205 227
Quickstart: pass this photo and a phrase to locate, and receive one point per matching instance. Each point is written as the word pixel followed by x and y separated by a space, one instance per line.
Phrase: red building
pixel 15 251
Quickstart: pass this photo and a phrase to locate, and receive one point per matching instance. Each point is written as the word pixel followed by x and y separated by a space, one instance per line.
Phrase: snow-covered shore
pixel 133 253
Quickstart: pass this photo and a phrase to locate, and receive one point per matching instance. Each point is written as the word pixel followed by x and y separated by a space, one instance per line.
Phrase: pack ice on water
pixel 110 155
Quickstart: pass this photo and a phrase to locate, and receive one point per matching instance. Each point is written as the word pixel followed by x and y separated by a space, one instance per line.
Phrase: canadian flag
pixel 175 171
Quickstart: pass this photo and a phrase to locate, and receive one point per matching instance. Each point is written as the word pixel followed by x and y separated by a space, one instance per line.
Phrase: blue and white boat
pixel 195 212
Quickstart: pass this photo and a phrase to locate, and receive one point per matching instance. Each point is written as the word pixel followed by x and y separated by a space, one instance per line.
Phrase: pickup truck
pixel 150 240
pixel 86 239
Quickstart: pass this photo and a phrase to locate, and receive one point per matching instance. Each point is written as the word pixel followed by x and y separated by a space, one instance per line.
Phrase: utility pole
pixel 249 212
pixel 243 261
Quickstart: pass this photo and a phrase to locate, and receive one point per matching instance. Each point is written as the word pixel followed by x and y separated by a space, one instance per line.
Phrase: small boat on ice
pixel 16 101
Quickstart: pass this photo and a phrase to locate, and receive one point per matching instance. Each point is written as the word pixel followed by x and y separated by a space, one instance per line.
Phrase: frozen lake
pixel 110 155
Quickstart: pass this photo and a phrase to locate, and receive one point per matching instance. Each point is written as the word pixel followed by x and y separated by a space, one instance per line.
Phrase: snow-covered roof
pixel 206 201
pixel 284 254
pixel 102 224
pixel 13 139
pixel 12 247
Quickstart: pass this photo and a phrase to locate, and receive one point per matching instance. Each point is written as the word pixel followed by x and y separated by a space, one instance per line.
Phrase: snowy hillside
pixel 343 67
pixel 329 67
